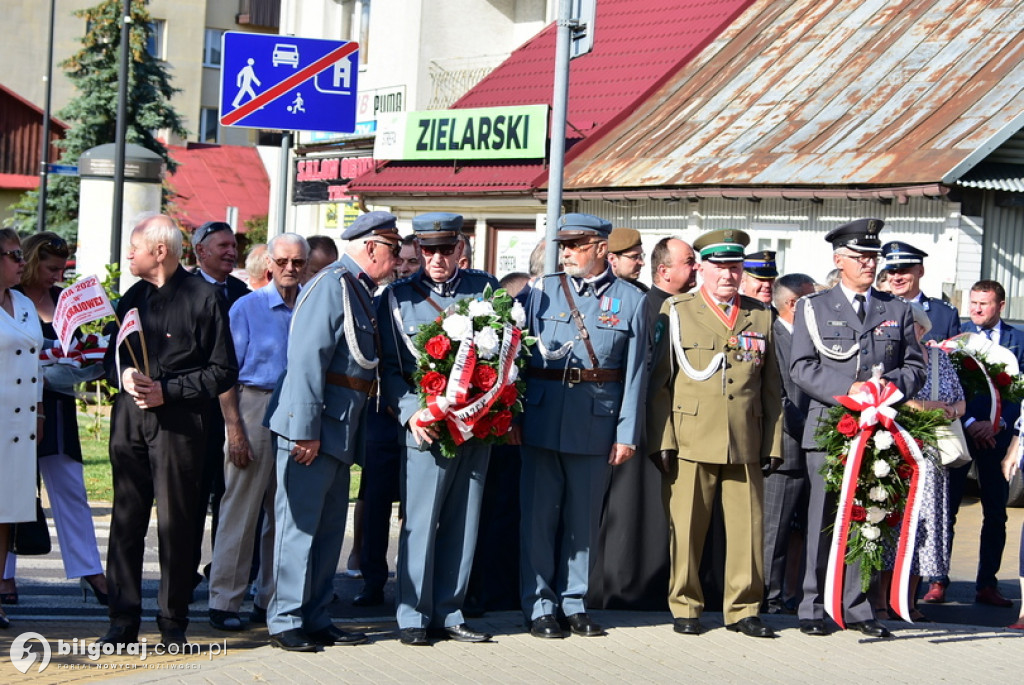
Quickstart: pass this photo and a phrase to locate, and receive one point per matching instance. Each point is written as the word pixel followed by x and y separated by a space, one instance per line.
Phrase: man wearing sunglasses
pixel 216 252
pixel 839 335
pixel 583 415
pixel 316 412
pixel 259 327
pixel 442 496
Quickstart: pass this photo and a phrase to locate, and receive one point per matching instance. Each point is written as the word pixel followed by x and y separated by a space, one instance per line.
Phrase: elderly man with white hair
pixel 259 327
pixel 158 432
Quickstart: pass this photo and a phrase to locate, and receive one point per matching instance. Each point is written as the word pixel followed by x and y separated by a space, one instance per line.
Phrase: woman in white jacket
pixel 21 394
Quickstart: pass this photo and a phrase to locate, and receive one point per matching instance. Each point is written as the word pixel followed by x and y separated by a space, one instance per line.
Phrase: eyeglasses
pixel 636 257
pixel 862 259
pixel 208 229
pixel 428 250
pixel 16 255
pixel 394 248
pixel 56 246
pixel 578 245
pixel 282 262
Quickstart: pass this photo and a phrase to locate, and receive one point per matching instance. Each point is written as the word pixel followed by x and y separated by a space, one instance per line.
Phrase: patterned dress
pixel 934 531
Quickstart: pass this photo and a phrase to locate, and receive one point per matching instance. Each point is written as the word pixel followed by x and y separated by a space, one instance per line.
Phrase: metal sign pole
pixel 119 139
pixel 44 154
pixel 282 185
pixel 559 105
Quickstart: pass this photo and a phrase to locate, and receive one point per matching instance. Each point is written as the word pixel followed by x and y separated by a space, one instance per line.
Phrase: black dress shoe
pixel 871 628
pixel 417 637
pixel 752 626
pixel 687 626
pixel 333 635
pixel 258 615
pixel 581 624
pixel 368 598
pixel 173 636
pixel 294 640
pixel 226 620
pixel 813 626
pixel 120 635
pixel 547 627
pixel 463 633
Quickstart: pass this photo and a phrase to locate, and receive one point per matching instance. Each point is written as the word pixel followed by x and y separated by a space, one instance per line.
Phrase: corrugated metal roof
pixel 827 92
pixel 637 44
pixel 211 178
pixel 995 176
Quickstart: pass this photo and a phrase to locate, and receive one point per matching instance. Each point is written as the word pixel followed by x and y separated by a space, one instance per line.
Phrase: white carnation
pixel 518 314
pixel 487 343
pixel 880 468
pixel 480 308
pixel 870 532
pixel 877 494
pixel 458 327
pixel 883 440
pixel 876 514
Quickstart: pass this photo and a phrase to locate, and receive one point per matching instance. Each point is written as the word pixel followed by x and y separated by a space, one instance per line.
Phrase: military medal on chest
pixel 610 306
pixel 751 346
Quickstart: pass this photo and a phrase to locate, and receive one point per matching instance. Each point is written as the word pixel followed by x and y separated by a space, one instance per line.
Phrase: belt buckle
pixel 574 375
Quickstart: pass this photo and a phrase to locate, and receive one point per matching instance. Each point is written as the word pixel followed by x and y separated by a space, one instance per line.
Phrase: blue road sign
pixel 62 169
pixel 288 83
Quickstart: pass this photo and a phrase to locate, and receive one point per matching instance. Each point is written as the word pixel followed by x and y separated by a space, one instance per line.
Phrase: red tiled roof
pixel 638 44
pixel 211 178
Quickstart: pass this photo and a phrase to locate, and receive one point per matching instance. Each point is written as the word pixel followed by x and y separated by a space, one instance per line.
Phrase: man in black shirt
pixel 157 432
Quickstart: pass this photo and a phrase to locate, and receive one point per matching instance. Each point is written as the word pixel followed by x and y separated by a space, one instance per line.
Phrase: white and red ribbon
pixel 82 352
pixel 451 407
pixel 875 404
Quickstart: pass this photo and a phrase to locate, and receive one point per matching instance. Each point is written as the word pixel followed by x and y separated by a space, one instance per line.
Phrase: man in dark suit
pixel 839 335
pixel 217 253
pixel 905 265
pixel 785 485
pixel 988 444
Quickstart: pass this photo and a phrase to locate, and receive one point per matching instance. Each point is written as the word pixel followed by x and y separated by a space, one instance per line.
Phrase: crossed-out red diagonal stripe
pixel 283 87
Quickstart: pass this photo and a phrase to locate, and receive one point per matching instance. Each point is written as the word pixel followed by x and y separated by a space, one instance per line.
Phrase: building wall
pixel 796 229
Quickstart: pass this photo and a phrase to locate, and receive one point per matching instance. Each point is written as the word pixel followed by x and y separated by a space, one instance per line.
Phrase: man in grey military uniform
pixel 317 413
pixel 584 410
pixel 838 336
pixel 441 496
pixel 905 265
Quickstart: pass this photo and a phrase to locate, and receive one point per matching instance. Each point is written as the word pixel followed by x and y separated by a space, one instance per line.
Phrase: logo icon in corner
pixel 23 656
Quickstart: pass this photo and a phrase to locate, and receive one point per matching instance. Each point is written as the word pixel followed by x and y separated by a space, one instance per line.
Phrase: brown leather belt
pixel 358 384
pixel 576 375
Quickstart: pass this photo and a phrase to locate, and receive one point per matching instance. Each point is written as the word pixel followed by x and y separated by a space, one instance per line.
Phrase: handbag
pixel 31 538
pixel 949 440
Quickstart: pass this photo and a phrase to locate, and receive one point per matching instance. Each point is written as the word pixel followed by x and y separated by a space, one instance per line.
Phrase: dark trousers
pixel 154 453
pixel 212 483
pixel 994 490
pixel 494 580
pixel 379 485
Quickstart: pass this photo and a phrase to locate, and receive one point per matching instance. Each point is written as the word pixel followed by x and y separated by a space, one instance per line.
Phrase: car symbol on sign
pixel 286 54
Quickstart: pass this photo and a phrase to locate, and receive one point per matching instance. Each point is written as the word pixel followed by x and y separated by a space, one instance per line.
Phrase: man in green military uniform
pixel 715 413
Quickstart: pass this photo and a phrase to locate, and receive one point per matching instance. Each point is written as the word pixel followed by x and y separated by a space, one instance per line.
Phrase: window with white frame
pixel 157 38
pixel 211 48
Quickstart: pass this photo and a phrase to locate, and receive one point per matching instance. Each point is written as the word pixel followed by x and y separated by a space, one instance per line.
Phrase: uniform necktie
pixel 861 306
pixel 724 306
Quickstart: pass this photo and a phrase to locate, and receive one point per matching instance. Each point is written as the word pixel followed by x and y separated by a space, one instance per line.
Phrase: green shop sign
pixel 485 133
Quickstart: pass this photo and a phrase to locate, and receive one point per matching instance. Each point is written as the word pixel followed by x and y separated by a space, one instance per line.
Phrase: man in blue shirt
pixel 259 327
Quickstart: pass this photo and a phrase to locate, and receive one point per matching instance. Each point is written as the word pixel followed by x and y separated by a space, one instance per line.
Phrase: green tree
pixel 93 113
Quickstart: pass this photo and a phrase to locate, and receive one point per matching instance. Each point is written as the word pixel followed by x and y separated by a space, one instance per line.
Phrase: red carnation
pixel 905 471
pixel 858 513
pixel 502 422
pixel 482 428
pixel 893 519
pixel 439 346
pixel 848 425
pixel 484 377
pixel 509 395
pixel 433 383
pixel 1004 380
pixel 970 364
